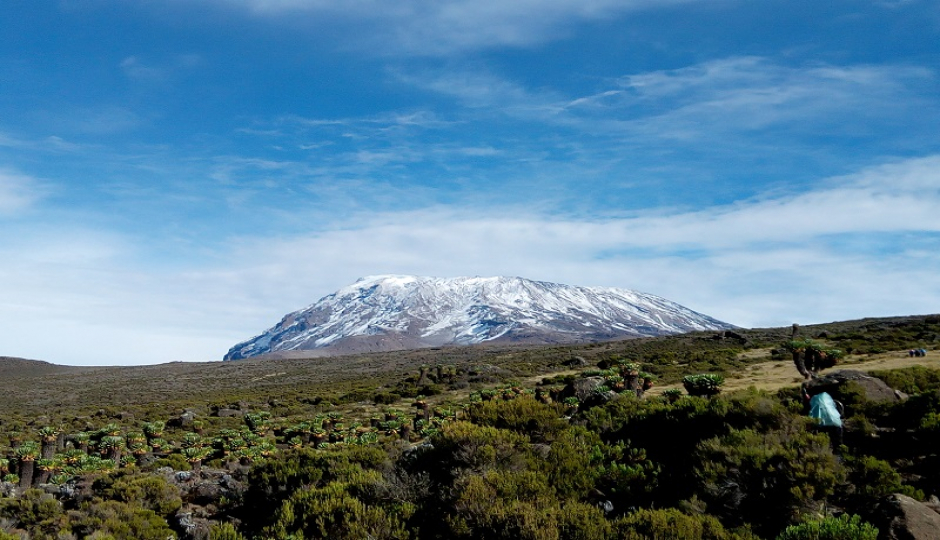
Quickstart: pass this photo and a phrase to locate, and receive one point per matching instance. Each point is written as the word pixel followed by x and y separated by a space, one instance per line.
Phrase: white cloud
pixel 886 199
pixel 94 120
pixel 51 143
pixel 135 69
pixel 763 262
pixel 428 27
pixel 18 192
pixel 730 96
pixel 483 90
pixel 80 296
pixel 8 141
pixel 139 69
pixel 754 262
pixel 749 93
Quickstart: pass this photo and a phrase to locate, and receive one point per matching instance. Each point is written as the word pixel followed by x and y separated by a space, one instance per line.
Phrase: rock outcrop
pixel 589 391
pixel 872 388
pixel 900 517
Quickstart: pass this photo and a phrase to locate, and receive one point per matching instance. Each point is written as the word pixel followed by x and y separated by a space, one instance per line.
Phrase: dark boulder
pixel 184 420
pixel 899 517
pixel 589 391
pixel 575 361
pixel 599 398
pixel 582 388
pixel 7 489
pixel 206 492
pixel 192 526
pixel 729 334
pixel 872 389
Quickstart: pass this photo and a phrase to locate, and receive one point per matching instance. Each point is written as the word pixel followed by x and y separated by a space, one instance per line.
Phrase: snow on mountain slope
pixel 404 312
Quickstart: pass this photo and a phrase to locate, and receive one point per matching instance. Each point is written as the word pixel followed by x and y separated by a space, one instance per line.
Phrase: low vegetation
pixel 573 442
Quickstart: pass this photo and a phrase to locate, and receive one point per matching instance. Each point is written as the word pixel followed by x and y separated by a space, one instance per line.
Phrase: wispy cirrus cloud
pixel 682 127
pixel 887 199
pixel 134 68
pixel 51 143
pixel 94 120
pixel 479 89
pixel 749 93
pixel 635 131
pixel 429 28
pixel 139 69
pixel 18 192
pixel 731 94
pixel 7 140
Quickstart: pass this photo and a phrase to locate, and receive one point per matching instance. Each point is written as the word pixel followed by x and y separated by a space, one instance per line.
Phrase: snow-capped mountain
pixel 382 313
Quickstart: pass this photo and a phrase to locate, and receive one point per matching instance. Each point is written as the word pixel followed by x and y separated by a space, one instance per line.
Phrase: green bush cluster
pixel 844 527
pixel 743 473
pixel 912 380
pixel 742 465
pixel 42 516
pixel 513 469
pixel 707 384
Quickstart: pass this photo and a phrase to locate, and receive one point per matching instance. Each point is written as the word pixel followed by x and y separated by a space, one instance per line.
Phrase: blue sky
pixel 177 175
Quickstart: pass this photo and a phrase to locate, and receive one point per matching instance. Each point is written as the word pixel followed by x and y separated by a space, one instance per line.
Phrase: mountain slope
pixel 405 312
pixel 22 367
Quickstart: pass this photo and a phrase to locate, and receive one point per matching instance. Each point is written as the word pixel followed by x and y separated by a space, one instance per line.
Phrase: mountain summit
pixel 383 313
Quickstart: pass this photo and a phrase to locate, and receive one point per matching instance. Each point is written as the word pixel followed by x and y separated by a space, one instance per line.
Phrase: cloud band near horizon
pixel 806 257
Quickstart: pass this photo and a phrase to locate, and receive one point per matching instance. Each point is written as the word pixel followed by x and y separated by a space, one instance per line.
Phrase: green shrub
pixel 148 491
pixel 917 413
pixel 930 423
pixel 746 472
pixel 874 479
pixel 658 524
pixel 911 380
pixel 570 467
pixel 558 380
pixel 224 531
pixel 271 482
pixel 523 415
pixel 331 512
pixel 672 394
pixel 386 398
pixel 174 461
pixel 707 384
pixel 464 446
pixel 504 504
pixel 844 527
pixel 860 425
pixel 671 432
pixel 122 522
pixel 625 475
pixel 37 512
pixel 579 521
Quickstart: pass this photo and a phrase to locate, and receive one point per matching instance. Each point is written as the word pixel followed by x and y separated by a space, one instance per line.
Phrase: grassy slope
pixel 773 375
pixel 33 387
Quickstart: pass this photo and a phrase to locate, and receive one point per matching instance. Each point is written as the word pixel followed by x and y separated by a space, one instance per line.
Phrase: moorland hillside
pixel 703 435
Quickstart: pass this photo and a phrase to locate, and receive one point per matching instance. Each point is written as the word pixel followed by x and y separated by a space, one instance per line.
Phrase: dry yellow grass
pixel 774 375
